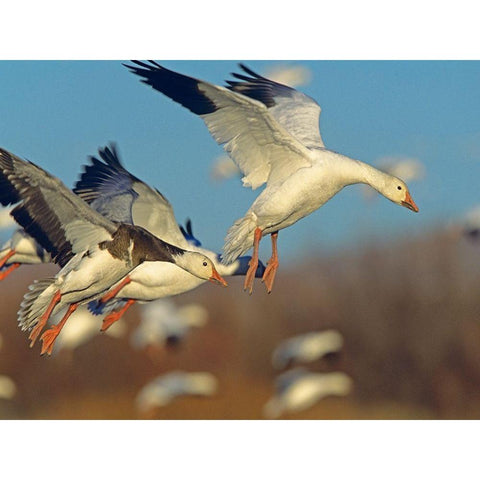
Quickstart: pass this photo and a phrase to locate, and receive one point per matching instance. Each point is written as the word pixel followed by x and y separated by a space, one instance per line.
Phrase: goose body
pixel 306 347
pixel 92 251
pixel 163 323
pixel 299 389
pixel 271 131
pixel 163 389
pixel 120 196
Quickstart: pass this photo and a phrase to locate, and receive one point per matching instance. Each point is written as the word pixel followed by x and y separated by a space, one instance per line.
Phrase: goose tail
pixel 34 303
pixel 239 238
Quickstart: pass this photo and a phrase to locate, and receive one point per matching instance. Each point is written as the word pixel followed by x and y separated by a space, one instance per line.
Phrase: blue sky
pixel 56 113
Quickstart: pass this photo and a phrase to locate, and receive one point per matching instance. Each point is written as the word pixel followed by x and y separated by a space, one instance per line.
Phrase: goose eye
pixel 205 264
pixel 399 187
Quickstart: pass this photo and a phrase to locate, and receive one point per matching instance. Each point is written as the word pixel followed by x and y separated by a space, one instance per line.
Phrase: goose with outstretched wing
pixel 271 131
pixel 92 251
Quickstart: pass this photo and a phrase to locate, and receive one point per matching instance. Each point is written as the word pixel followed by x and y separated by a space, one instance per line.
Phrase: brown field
pixel 409 312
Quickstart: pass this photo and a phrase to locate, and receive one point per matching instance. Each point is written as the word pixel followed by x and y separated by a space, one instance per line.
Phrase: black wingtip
pixel 110 155
pixel 180 88
pixel 250 71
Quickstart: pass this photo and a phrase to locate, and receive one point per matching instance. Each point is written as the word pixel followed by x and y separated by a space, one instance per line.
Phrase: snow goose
pixel 165 388
pixel 306 348
pixel 299 389
pixel 271 131
pixel 120 196
pixel 93 252
pixel 20 249
pixel 163 323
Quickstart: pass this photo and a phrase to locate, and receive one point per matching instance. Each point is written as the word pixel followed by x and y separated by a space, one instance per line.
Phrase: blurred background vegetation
pixel 409 312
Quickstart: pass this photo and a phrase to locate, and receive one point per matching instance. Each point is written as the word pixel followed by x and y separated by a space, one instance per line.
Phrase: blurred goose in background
pixel 165 388
pixel 163 323
pixel 299 389
pixel 120 196
pixel 224 168
pixel 8 389
pixel 81 328
pixel 306 348
pixel 20 249
pixel 289 74
pixel 470 224
pixel 93 252
pixel 271 131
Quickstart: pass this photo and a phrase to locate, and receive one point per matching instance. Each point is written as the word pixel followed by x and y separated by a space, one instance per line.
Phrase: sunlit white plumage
pixel 224 167
pixel 299 389
pixel 306 347
pixel 271 131
pixel 165 388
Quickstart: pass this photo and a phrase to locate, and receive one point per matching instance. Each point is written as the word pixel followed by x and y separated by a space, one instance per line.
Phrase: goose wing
pixel 114 192
pixel 296 112
pixel 48 211
pixel 247 127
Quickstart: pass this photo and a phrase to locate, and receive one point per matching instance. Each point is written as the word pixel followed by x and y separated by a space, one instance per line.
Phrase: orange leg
pixel 49 336
pixel 112 293
pixel 4 260
pixel 272 265
pixel 111 318
pixel 44 319
pixel 253 263
pixel 8 271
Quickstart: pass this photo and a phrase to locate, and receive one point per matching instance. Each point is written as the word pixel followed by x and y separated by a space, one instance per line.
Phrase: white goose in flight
pixel 93 252
pixel 272 133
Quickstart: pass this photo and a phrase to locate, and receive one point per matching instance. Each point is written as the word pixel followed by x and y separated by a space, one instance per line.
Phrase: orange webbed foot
pixel 269 275
pixel 250 276
pixel 109 320
pixel 113 317
pixel 48 339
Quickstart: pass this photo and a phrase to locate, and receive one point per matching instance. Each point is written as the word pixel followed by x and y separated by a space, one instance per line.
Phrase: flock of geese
pixel 116 239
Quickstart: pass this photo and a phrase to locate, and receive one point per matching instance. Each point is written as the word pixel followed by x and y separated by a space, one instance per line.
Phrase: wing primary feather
pixel 180 88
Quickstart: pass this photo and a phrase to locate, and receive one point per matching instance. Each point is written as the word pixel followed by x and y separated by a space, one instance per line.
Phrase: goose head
pixel 397 191
pixel 201 266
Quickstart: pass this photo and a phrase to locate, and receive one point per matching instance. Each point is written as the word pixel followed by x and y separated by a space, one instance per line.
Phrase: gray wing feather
pixel 58 219
pixel 114 192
